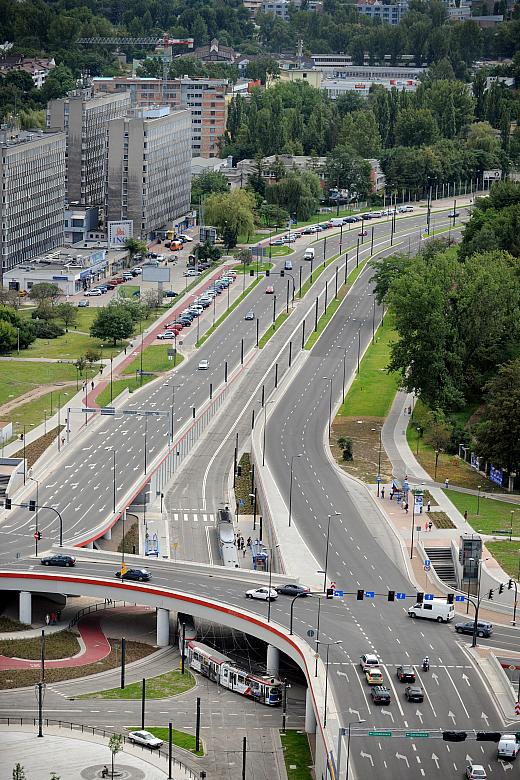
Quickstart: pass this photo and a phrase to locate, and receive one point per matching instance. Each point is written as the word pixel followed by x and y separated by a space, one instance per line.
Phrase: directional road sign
pixel 339 593
pixel 379 733
pixel 414 734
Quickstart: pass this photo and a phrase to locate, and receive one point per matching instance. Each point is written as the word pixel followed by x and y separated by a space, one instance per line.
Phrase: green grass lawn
pixel 161 687
pixel 262 267
pixel 492 515
pixel 179 738
pixel 297 755
pixel 155 359
pixel 17 378
pixel 272 330
pixel 103 399
pixel 507 554
pixel 228 311
pixel 61 645
pixel 280 251
pixel 34 412
pixel 372 391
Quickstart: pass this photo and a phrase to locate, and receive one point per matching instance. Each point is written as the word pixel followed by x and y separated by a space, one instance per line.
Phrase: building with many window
pixel 32 172
pixel 281 8
pixel 84 117
pixel 388 14
pixel 148 168
pixel 207 99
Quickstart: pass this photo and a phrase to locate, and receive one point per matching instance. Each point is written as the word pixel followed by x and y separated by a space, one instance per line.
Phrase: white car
pixel 168 334
pixel 475 772
pixel 264 594
pixel 145 738
pixel 203 365
pixel 92 293
pixel 185 237
pixel 192 272
pixel 369 661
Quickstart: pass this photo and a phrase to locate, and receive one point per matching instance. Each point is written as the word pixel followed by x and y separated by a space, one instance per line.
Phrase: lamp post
pixel 327 645
pixel 329 379
pixel 344 372
pixel 265 428
pixel 291 484
pixel 378 462
pixel 437 452
pixel 271 549
pixel 516 589
pixel 300 595
pixel 477 605
pixel 478 500
pixel 418 429
pixel 36 529
pixel 172 419
pixel 335 514
pixel 352 722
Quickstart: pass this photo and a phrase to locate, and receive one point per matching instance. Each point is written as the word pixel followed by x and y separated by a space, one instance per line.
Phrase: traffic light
pixel 360 595
pixel 251 272
pixel 282 272
pixel 420 597
pixel 488 736
pixel 450 598
pixel 7 504
pixel 330 593
pixel 37 535
pixel 239 470
pixel 268 272
pixel 32 506
pixel 501 588
pixel 391 595
pixel 509 584
pixel 454 736
pixel 490 594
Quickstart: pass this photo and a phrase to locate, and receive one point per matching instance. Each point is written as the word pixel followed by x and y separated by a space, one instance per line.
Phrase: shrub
pixel 47 330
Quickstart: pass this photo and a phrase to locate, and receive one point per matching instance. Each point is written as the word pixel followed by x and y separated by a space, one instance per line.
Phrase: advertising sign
pixel 496 475
pixel 119 232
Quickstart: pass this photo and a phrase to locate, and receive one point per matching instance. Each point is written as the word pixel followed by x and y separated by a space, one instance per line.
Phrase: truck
pixel 508 746
pixel 309 254
pixel 434 609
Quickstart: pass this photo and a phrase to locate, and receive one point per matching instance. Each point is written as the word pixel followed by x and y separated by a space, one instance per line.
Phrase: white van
pixel 438 610
pixel 508 747
pixel 336 222
pixel 309 254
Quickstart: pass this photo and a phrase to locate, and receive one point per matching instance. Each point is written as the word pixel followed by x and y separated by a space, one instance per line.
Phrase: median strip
pixel 271 330
pixel 226 314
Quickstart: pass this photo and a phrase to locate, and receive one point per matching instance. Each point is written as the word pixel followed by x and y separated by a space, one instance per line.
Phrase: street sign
pixel 418 529
pixel 429 596
pixel 460 598
pixel 379 733
pixel 427 568
pixel 36 535
pixel 339 593
pixel 517 708
pixel 369 594
pixel 427 562
pixel 108 410
pixel 414 734
pixel 310 632
pixel 400 596
pixel 379 478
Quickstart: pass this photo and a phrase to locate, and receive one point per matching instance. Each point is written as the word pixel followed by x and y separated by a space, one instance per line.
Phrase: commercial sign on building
pixel 119 232
pixel 494 175
pixel 496 475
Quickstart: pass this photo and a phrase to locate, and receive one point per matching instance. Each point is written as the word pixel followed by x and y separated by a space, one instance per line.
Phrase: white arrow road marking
pixel 367 755
pixel 387 712
pixel 436 760
pixel 403 758
pixel 452 716
pixel 505 765
pixel 457 691
pixel 465 677
pixel 435 677
pixel 485 718
pixel 419 715
pixel 469 760
pixel 353 712
pixel 344 674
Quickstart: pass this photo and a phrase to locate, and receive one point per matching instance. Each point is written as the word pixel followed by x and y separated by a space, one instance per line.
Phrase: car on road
pixel 483 628
pixel 363 233
pixel 374 676
pixel 137 575
pixel 414 693
pixel 380 694
pixel 264 594
pixel 168 334
pixel 288 266
pixel 185 238
pixel 170 294
pixel 59 560
pixel 145 738
pixel 92 293
pixel 203 365
pixel 269 290
pixel 475 772
pixel 406 673
pixel 192 272
pixel 368 661
pixel 250 315
pixel 292 589
pixel 277 242
pixel 453 214
pixel 83 304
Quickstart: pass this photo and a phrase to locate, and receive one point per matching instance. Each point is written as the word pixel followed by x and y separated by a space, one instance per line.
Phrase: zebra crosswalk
pixel 192 516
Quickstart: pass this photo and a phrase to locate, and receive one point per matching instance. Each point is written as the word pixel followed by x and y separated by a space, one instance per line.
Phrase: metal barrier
pixel 98 606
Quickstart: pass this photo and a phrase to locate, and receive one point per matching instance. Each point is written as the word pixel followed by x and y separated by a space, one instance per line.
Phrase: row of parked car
pixel 203 301
pixel 101 289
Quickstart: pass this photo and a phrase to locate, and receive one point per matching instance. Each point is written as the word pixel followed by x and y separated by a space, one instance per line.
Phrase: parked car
pixel 137 575
pixel 380 694
pixel 406 673
pixel 483 628
pixel 92 293
pixel 414 693
pixel 83 304
pixel 192 272
pixel 145 738
pixel 185 238
pixel 170 294
pixel 475 772
pixel 59 560
pixel 203 365
pixel 291 589
pixel 168 334
pixel 264 594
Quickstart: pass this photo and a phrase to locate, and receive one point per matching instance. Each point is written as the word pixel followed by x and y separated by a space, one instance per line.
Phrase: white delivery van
pixel 508 747
pixel 309 254
pixel 336 222
pixel 437 609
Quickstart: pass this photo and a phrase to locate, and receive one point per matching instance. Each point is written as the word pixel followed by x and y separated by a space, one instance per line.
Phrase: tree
pixel 416 127
pixel 497 437
pixel 23 330
pixel 207 183
pixel 298 193
pixel 386 271
pixel 274 215
pixel 67 313
pixel 150 300
pixel 231 213
pixel 135 246
pixel 112 323
pixel 344 169
pixel 59 81
pixel 244 256
pixel 45 293
pixel 360 131
pixel 92 356
pixel 115 744
pixel 439 433
pixel 8 336
pixel 259 68
pixel 207 251
pixel 18 772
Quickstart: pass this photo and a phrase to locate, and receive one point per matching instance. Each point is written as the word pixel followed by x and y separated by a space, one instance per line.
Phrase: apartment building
pixel 84 118
pixel 205 97
pixel 148 168
pixel 32 172
pixel 389 14
pixel 282 8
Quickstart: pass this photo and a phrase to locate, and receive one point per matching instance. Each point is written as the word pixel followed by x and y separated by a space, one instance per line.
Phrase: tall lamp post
pixel 291 484
pixel 265 429
pixel 344 372
pixel 335 514
pixel 379 461
pixel 341 734
pixel 271 549
pixel 36 529
pixel 478 499
pixel 328 646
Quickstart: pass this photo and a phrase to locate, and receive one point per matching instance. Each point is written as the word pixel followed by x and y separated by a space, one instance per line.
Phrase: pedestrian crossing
pixel 192 516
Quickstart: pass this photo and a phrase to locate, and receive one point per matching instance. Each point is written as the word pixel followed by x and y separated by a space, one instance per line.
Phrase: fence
pixel 98 606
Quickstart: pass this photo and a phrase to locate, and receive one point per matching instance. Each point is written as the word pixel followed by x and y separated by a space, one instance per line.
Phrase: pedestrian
pixel 243 552
pixel 92 384
pixel 430 525
pixel 249 541
pixel 62 440
pixel 406 507
pixel 58 614
pixel 426 526
pixel 428 506
pixel 383 492
pixel 446 483
pixel 104 771
pixel 391 494
pixel 125 350
pixel 47 619
pixel 465 514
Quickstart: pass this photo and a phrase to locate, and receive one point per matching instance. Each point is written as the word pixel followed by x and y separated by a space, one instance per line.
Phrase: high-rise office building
pixel 84 117
pixel 148 168
pixel 32 172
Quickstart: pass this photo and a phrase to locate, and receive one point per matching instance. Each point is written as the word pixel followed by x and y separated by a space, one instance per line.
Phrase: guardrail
pixel 100 732
pixel 97 607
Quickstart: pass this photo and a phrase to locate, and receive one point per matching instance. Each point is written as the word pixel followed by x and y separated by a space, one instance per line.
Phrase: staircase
pixel 442 562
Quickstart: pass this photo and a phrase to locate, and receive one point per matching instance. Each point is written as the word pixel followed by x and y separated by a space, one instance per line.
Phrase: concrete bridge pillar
pixel 25 610
pixel 108 534
pixel 310 717
pixel 163 627
pixel 273 661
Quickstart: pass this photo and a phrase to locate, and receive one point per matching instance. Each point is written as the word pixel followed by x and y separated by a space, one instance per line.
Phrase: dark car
pixel 414 693
pixel 291 589
pixel 380 694
pixel 170 294
pixel 138 575
pixel 483 628
pixel 406 674
pixel 59 560
pixel 453 214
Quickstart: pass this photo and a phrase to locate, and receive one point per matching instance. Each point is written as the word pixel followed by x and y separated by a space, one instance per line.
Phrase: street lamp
pixel 477 605
pixel 341 732
pixel 335 514
pixel 327 645
pixel 270 580
pixel 174 388
pixel 478 500
pixel 265 428
pixel 329 379
pixel 516 589
pixel 345 350
pixel 418 429
pixel 378 461
pixel 33 479
pixel 291 484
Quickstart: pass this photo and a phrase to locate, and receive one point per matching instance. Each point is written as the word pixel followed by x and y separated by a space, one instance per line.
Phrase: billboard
pixel 153 274
pixel 494 175
pixel 119 232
